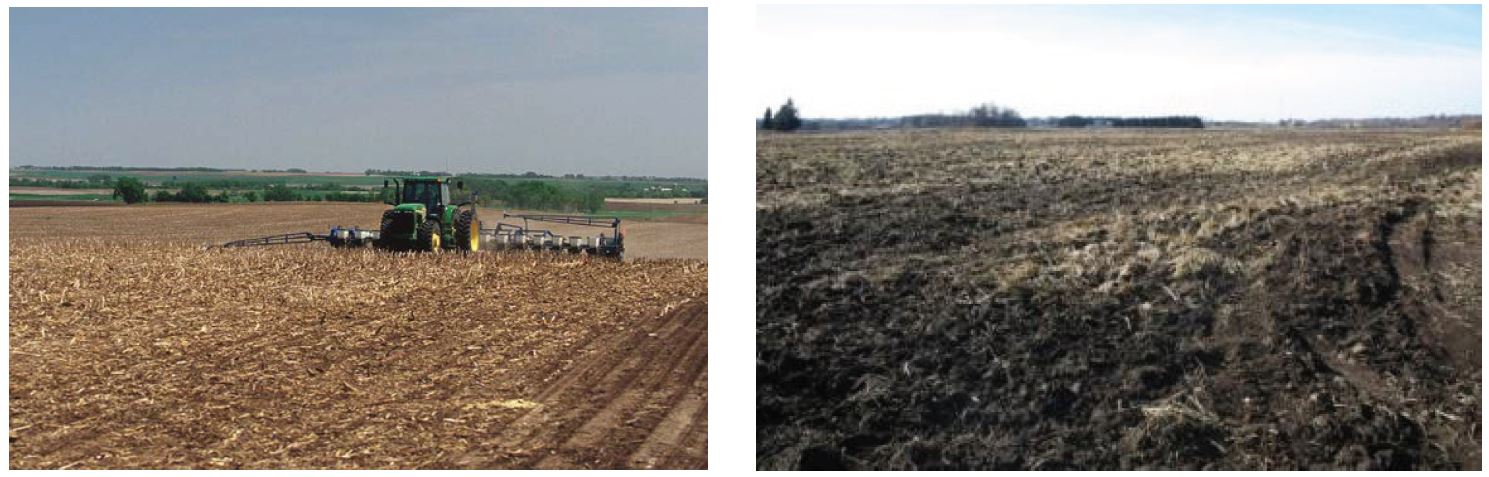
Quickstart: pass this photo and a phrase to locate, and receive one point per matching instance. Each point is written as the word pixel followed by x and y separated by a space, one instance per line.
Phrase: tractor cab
pixel 432 193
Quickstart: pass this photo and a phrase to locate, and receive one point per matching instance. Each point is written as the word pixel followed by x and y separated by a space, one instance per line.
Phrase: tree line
pixel 1444 121
pixel 131 190
pixel 572 196
pixel 524 193
pixel 534 175
pixel 292 170
pixel 128 169
pixel 986 115
pixel 1075 121
pixel 391 172
pixel 536 195
pixel 95 181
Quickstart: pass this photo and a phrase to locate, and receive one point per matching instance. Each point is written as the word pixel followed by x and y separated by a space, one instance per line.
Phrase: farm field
pixel 133 346
pixel 1119 299
pixel 678 201
pixel 49 198
pixel 23 190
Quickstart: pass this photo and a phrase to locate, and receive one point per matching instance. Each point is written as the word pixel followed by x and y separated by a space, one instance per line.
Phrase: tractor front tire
pixel 384 235
pixel 428 238
pixel 468 231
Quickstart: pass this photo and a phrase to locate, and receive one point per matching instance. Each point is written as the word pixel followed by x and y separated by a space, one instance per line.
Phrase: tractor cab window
pixel 427 193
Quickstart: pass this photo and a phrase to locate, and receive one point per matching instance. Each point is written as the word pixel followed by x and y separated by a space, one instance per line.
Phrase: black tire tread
pixel 462 229
pixel 427 229
pixel 382 230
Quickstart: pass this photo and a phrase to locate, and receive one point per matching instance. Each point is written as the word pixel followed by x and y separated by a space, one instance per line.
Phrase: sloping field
pixel 1119 300
pixel 137 348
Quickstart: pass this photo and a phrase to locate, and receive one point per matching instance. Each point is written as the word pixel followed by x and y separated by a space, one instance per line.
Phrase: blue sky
pixel 592 91
pixel 1251 62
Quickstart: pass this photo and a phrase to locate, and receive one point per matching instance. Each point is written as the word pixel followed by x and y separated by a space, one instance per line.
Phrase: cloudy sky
pixel 592 91
pixel 1260 62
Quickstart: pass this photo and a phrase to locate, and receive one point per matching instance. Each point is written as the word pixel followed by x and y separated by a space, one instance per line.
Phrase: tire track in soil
pixel 639 401
pixel 1445 323
pixel 687 419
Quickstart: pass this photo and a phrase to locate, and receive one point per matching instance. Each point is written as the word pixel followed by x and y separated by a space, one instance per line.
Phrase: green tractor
pixel 423 219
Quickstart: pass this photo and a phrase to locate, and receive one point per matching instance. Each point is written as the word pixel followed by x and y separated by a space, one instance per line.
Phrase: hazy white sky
pixel 1220 62
pixel 571 90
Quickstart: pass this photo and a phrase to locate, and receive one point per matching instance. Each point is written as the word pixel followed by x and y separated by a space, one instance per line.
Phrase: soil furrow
pixel 649 387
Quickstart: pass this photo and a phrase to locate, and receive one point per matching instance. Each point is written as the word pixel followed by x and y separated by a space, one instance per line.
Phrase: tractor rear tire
pixel 384 235
pixel 468 231
pixel 428 238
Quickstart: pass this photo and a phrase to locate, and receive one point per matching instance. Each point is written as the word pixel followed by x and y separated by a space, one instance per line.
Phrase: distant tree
pixel 592 202
pixel 987 115
pixel 130 190
pixel 280 193
pixel 990 115
pixel 251 196
pixel 769 122
pixel 1193 122
pixel 193 192
pixel 1074 122
pixel 984 115
pixel 788 118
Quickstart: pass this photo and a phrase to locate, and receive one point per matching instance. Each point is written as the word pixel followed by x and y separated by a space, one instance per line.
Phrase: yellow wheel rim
pixel 434 241
pixel 475 235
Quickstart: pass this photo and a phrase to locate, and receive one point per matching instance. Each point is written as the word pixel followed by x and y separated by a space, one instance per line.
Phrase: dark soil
pixel 891 336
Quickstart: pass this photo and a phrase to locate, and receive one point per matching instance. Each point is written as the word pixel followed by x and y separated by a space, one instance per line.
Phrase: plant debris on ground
pixel 134 353
pixel 1118 300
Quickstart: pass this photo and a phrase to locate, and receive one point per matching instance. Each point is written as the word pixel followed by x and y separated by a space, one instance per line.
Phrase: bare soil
pixel 59 203
pixel 56 191
pixel 680 201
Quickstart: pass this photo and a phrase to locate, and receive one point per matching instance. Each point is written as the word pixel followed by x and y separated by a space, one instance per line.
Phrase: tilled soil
pixel 158 355
pixel 1218 300
pixel 641 402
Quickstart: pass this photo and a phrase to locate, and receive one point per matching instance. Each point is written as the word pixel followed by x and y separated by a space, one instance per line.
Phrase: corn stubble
pixel 1118 300
pixel 127 355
